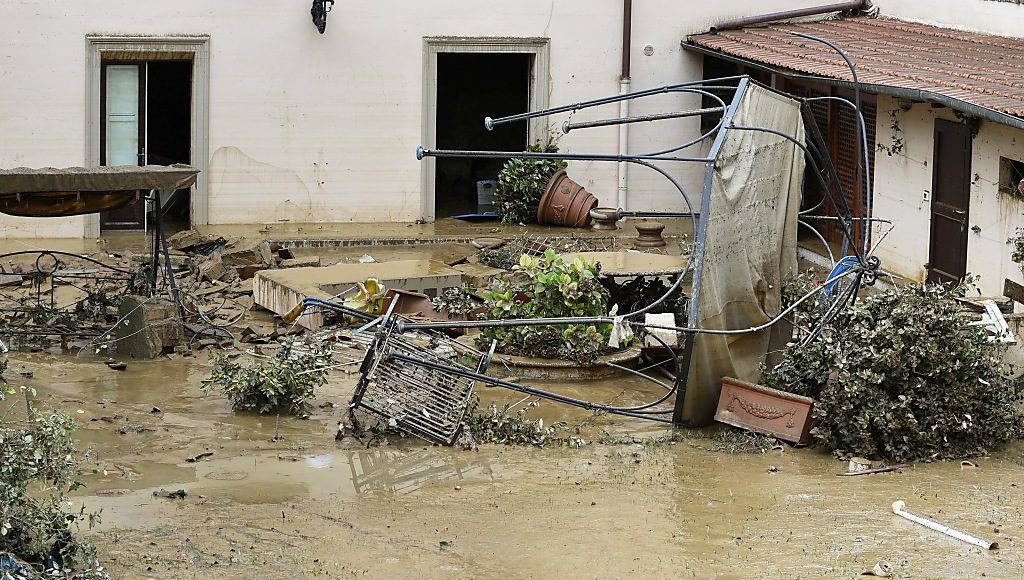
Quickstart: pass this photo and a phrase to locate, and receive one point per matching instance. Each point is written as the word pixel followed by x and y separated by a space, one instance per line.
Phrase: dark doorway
pixel 951 198
pixel 471 86
pixel 146 114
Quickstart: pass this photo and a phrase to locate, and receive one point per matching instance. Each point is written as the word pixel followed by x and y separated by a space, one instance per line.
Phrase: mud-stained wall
pixel 902 178
pixel 304 127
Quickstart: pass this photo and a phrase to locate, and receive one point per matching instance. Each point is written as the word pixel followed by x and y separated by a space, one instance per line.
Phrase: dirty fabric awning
pixel 59 192
pixel 978 73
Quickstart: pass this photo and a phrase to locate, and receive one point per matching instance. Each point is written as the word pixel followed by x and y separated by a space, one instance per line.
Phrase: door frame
pixel 965 216
pixel 540 88
pixel 178 47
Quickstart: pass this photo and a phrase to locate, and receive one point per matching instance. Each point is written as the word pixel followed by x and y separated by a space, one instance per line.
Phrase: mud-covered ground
pixel 625 505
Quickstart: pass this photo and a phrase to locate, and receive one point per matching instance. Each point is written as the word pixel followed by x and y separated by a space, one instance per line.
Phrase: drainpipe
pixel 627 26
pixel 790 14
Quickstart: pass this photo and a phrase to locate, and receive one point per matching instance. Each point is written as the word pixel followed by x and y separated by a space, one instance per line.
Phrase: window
pixel 1011 174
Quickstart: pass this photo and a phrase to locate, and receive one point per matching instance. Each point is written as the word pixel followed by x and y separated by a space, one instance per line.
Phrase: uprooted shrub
pixel 507 425
pixel 902 377
pixel 549 287
pixel 38 469
pixel 284 383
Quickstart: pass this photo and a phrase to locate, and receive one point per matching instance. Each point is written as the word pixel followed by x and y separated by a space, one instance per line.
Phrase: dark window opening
pixel 470 87
pixel 1011 176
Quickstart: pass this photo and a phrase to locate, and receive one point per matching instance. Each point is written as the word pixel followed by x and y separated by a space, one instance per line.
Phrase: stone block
pixel 149 327
pixel 212 270
pixel 187 240
pixel 305 262
pixel 245 252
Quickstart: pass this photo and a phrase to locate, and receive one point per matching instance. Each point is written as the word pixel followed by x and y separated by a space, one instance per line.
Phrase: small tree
pixel 902 377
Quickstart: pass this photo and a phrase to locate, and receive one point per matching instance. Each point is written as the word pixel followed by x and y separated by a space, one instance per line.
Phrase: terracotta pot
pixel 763 410
pixel 565 203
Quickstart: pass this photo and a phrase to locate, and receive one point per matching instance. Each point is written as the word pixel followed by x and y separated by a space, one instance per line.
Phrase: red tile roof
pixel 978 69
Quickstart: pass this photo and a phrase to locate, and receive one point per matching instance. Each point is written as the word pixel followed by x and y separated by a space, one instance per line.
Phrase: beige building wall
pixel 1003 17
pixel 311 128
pixel 901 180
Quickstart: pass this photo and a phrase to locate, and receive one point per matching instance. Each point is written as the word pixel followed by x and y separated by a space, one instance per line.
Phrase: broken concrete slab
pixel 186 240
pixel 212 270
pixel 150 327
pixel 304 262
pixel 245 252
pixel 280 290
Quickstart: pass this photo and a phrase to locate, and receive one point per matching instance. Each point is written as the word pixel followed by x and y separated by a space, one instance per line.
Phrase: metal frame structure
pixel 818 159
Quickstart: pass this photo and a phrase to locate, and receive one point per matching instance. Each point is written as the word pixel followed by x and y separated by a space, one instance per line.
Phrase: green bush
pixel 549 287
pixel 521 183
pixel 38 470
pixel 285 383
pixel 902 377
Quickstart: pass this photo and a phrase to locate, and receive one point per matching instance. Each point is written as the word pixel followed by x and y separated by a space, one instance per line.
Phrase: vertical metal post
pixel 693 317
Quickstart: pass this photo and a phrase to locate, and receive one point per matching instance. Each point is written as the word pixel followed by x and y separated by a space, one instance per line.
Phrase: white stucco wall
pixel 900 180
pixel 304 127
pixel 988 16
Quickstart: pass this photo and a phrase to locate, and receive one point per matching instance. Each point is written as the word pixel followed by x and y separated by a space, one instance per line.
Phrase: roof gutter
pixel 790 14
pixel 913 94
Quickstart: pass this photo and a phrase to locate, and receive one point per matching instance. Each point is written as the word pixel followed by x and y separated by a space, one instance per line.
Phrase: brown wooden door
pixel 951 197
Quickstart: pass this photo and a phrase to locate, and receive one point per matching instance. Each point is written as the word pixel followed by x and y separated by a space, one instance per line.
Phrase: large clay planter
pixel 757 408
pixel 565 203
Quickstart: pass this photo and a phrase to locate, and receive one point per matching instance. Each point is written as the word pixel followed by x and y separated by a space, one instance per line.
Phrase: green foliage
pixel 456 301
pixel 285 383
pixel 901 377
pixel 504 258
pixel 508 427
pixel 38 470
pixel 521 183
pixel 1017 254
pixel 549 287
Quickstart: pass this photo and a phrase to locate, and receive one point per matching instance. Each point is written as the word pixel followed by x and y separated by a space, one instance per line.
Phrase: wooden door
pixel 951 195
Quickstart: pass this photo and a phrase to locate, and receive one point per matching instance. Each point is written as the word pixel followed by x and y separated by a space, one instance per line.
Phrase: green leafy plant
pixel 38 469
pixel 1017 251
pixel 549 287
pixel 902 377
pixel 456 301
pixel 505 426
pixel 284 383
pixel 521 184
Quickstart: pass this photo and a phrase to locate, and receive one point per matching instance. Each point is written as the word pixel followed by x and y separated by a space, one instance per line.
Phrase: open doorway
pixel 146 118
pixel 471 86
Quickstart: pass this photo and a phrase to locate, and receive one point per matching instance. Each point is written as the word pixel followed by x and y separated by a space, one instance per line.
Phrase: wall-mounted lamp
pixel 319 11
pixel 904 103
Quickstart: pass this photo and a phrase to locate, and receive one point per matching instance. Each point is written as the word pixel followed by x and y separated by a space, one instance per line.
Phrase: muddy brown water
pixel 307 506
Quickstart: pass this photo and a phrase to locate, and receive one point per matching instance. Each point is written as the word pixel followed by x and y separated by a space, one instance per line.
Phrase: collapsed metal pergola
pixel 725 95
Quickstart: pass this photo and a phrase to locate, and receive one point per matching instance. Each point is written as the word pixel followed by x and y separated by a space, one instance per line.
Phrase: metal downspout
pixel 623 168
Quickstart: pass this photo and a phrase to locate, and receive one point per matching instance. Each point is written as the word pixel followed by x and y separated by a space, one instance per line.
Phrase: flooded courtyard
pixel 631 499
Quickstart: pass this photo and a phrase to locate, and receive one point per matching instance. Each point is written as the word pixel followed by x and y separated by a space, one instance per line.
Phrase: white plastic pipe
pixel 900 508
pixel 623 144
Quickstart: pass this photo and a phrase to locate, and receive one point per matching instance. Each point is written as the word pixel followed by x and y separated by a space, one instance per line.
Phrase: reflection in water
pixel 399 472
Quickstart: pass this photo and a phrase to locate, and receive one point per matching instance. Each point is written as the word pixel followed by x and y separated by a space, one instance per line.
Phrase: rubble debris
pixel 177 494
pixel 198 456
pixel 244 252
pixel 871 470
pixel 191 241
pixel 881 570
pixel 134 428
pixel 117 365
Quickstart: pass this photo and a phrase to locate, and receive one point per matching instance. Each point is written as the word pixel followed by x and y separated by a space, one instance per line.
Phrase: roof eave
pixel 914 94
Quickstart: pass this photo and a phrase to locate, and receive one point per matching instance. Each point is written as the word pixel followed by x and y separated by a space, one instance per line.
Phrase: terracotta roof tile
pixel 980 69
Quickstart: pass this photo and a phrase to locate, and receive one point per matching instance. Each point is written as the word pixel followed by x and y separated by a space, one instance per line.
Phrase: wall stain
pixel 243 190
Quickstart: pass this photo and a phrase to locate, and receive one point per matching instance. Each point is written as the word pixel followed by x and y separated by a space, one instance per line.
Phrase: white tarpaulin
pixel 750 246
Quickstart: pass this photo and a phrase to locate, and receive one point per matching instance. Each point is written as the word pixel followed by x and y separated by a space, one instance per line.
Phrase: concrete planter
pixel 764 410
